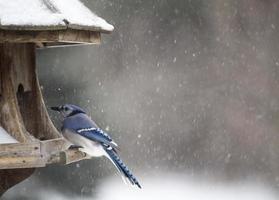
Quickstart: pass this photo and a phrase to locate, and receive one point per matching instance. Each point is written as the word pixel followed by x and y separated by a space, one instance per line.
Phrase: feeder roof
pixel 49 15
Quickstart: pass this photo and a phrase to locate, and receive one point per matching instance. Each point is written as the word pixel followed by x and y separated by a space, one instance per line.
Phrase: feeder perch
pixel 32 141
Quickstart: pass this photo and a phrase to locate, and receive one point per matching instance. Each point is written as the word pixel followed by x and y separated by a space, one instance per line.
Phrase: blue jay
pixel 84 134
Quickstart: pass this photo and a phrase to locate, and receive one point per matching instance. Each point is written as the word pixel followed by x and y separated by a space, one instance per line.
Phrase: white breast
pixel 90 147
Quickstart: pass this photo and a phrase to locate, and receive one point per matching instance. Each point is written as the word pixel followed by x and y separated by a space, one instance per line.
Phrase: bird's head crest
pixel 68 110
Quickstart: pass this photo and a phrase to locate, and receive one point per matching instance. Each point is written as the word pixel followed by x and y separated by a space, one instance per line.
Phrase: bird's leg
pixel 73 146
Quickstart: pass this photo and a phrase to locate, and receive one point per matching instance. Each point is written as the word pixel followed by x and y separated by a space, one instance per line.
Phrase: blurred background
pixel 189 89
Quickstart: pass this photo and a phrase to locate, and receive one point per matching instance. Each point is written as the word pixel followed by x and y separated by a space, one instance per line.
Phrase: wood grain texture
pixel 22 111
pixel 38 154
pixel 10 117
pixel 23 114
pixel 17 161
pixel 20 149
pixel 52 37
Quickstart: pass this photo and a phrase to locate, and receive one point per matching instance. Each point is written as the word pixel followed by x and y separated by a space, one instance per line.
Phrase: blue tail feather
pixel 121 166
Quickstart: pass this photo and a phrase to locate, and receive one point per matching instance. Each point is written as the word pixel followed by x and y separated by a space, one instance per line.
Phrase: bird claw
pixel 75 147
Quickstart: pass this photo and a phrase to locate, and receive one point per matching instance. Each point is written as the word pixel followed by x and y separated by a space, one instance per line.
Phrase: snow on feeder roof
pixel 70 19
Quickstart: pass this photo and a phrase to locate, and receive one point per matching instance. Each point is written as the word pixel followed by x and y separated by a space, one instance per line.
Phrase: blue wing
pixel 98 135
pixel 84 126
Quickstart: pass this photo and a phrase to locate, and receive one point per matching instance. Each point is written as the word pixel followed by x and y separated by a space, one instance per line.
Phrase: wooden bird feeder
pixel 24 26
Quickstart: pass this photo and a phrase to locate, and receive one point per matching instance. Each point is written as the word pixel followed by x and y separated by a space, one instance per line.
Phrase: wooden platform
pixel 38 154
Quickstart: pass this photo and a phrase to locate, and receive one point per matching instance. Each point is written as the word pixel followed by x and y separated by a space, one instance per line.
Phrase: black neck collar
pixel 75 113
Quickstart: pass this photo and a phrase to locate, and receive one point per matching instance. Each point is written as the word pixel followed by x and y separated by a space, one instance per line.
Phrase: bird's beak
pixel 55 108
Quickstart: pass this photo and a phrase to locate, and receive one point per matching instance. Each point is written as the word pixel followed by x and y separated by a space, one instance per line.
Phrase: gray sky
pixel 182 86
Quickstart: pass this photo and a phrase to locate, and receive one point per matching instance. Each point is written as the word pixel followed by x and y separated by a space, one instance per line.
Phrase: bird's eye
pixel 66 108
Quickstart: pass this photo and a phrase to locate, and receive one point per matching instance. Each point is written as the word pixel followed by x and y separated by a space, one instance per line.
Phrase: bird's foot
pixel 75 147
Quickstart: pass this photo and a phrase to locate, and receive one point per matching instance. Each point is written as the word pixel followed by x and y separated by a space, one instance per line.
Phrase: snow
pixel 5 138
pixel 50 13
pixel 164 187
pixel 76 13
pixel 28 13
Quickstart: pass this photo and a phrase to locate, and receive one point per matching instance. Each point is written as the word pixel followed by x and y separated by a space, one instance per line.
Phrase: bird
pixel 84 134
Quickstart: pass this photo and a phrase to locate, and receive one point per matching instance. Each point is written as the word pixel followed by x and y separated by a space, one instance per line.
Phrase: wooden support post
pixel 22 109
